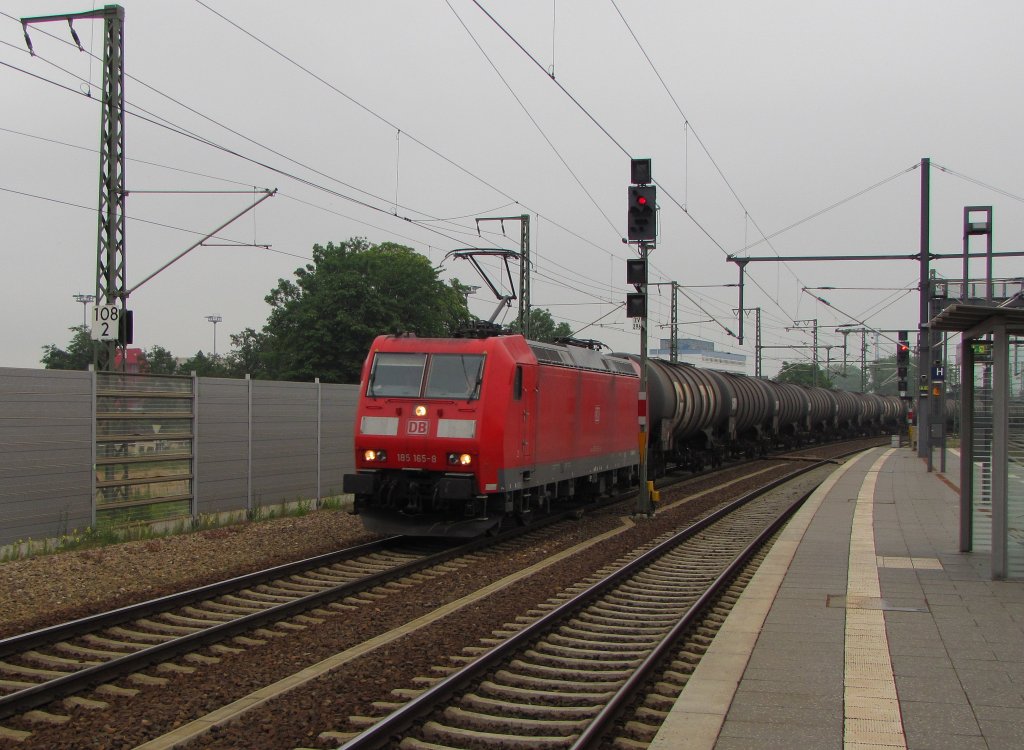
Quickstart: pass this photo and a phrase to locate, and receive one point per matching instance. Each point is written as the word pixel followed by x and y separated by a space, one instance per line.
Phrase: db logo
pixel 417 427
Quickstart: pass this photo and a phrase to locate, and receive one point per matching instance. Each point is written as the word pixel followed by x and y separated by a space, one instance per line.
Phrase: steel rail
pixel 594 731
pixel 55 633
pixel 74 682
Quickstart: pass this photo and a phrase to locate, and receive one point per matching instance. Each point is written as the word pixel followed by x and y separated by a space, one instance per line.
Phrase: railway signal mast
pixel 902 365
pixel 641 230
pixel 902 362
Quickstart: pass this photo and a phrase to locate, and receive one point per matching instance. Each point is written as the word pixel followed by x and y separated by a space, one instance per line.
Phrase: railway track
pixel 289 581
pixel 41 667
pixel 561 678
pixel 45 665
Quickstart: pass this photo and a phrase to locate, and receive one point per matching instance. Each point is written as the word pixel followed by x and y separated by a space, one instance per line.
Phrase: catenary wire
pixel 663 188
pixel 751 279
pixel 201 139
pixel 160 121
pixel 978 182
pixel 182 131
pixel 285 196
pixel 602 286
pixel 387 122
pixel 357 103
pixel 533 120
pixel 832 206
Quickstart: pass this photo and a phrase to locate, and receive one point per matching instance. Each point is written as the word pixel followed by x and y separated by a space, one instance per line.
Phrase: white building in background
pixel 703 354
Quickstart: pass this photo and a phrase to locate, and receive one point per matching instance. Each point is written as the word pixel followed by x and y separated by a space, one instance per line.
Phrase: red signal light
pixel 642 200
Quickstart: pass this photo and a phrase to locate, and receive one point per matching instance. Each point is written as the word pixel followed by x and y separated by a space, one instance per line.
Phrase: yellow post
pixel 655 494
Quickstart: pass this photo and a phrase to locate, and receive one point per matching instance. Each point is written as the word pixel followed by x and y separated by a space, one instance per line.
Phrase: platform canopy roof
pixel 978 319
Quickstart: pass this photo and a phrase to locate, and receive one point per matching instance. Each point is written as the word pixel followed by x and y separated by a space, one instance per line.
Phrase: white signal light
pixel 370 455
pixel 465 459
pixel 420 410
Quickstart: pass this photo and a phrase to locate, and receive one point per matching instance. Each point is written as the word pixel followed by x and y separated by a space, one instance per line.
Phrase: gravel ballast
pixel 54 588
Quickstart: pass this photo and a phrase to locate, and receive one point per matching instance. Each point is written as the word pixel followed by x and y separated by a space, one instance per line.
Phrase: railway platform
pixel 865 628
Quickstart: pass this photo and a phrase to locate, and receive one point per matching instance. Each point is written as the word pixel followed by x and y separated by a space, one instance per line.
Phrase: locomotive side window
pixel 395 374
pixel 454 376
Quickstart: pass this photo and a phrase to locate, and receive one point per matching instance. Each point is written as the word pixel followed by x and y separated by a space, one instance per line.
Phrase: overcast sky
pixel 758 117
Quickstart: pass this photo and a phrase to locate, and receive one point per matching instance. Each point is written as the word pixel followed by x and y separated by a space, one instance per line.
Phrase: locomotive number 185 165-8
pixel 417 458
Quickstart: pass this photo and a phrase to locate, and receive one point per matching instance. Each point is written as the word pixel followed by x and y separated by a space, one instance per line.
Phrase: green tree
pixel 248 355
pixel 160 360
pixel 204 366
pixel 543 326
pixel 848 382
pixel 803 373
pixel 78 355
pixel 323 322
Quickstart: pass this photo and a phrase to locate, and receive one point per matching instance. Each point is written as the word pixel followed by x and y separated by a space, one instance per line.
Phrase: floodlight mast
pixel 215 319
pixel 85 299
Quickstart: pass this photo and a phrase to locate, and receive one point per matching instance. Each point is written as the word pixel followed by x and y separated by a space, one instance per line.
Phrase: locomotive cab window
pixel 454 376
pixel 396 375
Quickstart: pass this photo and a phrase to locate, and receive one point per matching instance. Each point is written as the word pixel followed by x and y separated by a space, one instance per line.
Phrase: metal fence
pixel 83 449
pixel 46 452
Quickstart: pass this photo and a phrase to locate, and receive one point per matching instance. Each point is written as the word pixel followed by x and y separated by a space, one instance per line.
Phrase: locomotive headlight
pixel 420 410
pixel 460 459
pixel 372 455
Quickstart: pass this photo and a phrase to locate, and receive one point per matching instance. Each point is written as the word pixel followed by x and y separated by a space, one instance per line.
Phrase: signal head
pixel 640 217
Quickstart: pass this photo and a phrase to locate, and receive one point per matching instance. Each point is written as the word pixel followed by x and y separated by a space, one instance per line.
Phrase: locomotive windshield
pixel 397 375
pixel 454 376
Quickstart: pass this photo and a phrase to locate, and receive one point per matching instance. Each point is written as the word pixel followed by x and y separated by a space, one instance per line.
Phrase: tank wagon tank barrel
pixel 823 407
pixel 757 405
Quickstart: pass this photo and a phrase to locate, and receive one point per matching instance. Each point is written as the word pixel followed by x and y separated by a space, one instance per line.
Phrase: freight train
pixel 455 436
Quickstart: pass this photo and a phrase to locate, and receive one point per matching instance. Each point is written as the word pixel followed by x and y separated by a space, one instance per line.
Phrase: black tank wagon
pixel 700 417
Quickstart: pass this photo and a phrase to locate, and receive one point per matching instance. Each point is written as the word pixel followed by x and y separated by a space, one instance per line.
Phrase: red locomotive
pixel 453 435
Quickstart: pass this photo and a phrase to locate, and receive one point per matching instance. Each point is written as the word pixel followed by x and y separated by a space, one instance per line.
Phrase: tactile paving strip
pixel 871 710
